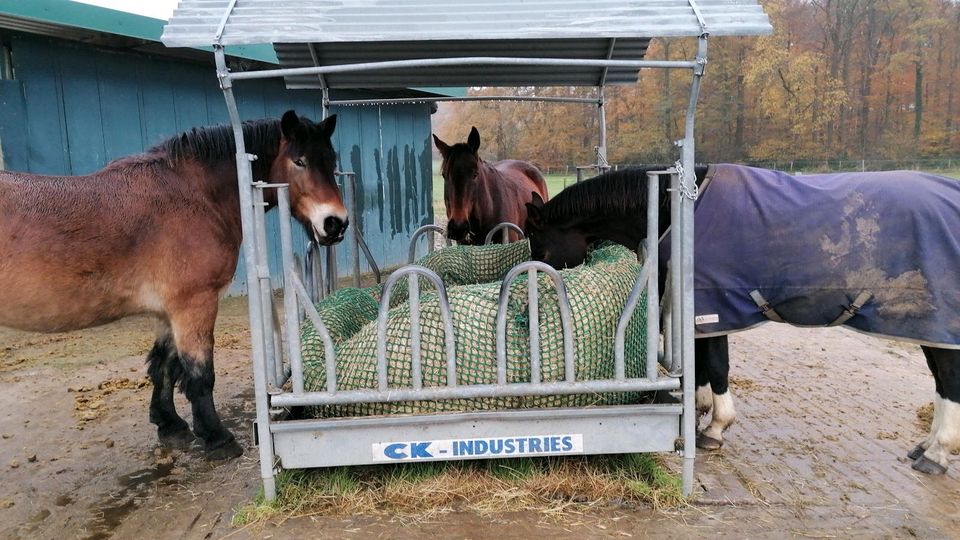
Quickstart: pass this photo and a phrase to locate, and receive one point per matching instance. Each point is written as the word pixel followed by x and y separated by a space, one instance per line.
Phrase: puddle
pixel 110 516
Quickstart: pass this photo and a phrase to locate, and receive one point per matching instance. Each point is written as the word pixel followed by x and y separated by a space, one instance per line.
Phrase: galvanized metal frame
pixel 291 440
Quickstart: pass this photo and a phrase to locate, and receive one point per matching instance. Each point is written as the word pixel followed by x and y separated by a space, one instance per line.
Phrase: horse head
pixel 306 162
pixel 461 170
pixel 557 244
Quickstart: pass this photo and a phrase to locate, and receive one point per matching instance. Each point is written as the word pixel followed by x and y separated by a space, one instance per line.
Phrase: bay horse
pixel 877 252
pixel 158 233
pixel 478 195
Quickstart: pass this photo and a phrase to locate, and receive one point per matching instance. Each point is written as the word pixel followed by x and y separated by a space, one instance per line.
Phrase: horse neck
pixel 488 198
pixel 626 227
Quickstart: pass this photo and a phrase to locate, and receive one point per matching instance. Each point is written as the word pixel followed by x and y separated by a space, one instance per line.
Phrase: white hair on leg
pixel 946 436
pixel 704 399
pixel 724 414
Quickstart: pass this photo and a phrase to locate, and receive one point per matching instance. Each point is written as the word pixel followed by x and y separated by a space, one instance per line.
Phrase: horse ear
pixel 473 141
pixel 536 200
pixel 289 124
pixel 534 216
pixel 534 221
pixel 443 147
pixel 328 125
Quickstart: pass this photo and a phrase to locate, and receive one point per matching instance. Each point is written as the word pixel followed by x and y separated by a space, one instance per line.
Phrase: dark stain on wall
pixel 356 164
pixel 411 203
pixel 396 191
pixel 380 191
pixel 426 179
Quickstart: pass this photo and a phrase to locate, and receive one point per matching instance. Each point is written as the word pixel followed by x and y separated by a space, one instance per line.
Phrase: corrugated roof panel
pixel 299 55
pixel 359 31
pixel 195 22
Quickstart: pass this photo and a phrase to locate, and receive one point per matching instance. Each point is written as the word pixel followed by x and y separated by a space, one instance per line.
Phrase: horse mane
pixel 213 145
pixel 614 193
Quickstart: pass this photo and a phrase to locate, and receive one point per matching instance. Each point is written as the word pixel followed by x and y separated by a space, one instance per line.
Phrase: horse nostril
pixel 454 227
pixel 334 226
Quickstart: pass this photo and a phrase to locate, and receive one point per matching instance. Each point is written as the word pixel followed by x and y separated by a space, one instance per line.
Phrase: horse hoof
pixel 228 450
pixel 705 442
pixel 916 453
pixel 928 466
pixel 180 438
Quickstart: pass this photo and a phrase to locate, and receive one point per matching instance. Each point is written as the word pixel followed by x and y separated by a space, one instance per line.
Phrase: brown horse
pixel 158 233
pixel 478 195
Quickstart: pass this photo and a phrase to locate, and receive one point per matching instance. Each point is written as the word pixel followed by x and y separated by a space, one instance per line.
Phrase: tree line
pixel 837 80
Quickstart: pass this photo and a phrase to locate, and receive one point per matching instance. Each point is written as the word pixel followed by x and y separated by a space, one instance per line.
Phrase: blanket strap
pixel 852 309
pixel 765 306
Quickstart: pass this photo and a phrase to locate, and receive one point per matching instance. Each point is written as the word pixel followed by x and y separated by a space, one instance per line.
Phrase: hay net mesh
pixel 597 291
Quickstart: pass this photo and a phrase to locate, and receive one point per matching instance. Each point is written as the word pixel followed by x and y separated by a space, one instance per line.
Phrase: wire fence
pixel 812 166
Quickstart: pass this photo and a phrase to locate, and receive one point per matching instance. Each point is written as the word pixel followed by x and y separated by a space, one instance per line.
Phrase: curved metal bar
pixel 449 339
pixel 506 227
pixel 412 252
pixel 313 272
pixel 366 251
pixel 566 316
pixel 330 355
pixel 643 281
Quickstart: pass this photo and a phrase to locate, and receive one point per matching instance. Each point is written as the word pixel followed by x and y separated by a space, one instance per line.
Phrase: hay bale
pixel 597 291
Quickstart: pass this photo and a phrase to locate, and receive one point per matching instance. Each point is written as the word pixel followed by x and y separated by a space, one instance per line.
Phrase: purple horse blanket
pixel 878 252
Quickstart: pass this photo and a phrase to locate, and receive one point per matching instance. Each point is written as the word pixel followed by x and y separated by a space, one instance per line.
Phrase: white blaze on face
pixel 318 214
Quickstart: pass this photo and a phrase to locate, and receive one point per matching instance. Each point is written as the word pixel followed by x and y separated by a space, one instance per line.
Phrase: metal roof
pixel 336 32
pixel 93 24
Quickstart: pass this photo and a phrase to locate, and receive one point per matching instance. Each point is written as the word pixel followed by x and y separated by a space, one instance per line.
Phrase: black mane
pixel 614 193
pixel 215 144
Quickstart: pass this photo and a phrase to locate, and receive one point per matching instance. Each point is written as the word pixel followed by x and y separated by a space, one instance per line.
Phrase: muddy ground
pixel 825 420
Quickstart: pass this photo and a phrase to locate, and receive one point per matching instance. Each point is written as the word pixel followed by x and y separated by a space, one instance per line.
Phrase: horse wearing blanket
pixel 877 252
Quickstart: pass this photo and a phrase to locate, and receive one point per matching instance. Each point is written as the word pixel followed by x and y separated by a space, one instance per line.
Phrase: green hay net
pixel 597 291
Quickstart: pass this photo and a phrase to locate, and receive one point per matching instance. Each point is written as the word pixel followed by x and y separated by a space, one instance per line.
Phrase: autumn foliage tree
pixel 838 79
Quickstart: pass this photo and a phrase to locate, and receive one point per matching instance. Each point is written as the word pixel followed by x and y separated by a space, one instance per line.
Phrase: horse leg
pixel 918 450
pixel 944 437
pixel 704 394
pixel 716 354
pixel 165 371
pixel 192 325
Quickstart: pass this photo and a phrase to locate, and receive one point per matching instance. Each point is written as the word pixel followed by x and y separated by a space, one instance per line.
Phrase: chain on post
pixel 687 191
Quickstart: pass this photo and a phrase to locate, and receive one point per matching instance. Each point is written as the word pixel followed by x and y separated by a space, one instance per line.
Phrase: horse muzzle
pixel 333 230
pixel 459 231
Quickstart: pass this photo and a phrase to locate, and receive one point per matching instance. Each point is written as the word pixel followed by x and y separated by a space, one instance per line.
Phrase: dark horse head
pixel 306 161
pixel 612 206
pixel 460 169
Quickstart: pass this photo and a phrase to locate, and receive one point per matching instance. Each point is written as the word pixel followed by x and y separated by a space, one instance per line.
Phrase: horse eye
pixel 299 163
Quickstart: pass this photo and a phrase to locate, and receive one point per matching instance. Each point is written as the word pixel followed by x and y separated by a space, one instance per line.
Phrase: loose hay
pixel 925 416
pixel 552 487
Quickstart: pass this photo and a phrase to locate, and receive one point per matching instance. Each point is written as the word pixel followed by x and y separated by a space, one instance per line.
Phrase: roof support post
pixel 688 196
pixel 257 328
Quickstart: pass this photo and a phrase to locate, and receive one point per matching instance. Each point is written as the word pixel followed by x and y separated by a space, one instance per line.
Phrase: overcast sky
pixel 158 9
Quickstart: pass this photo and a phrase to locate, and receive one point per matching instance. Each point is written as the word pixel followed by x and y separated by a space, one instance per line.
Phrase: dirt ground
pixel 825 420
